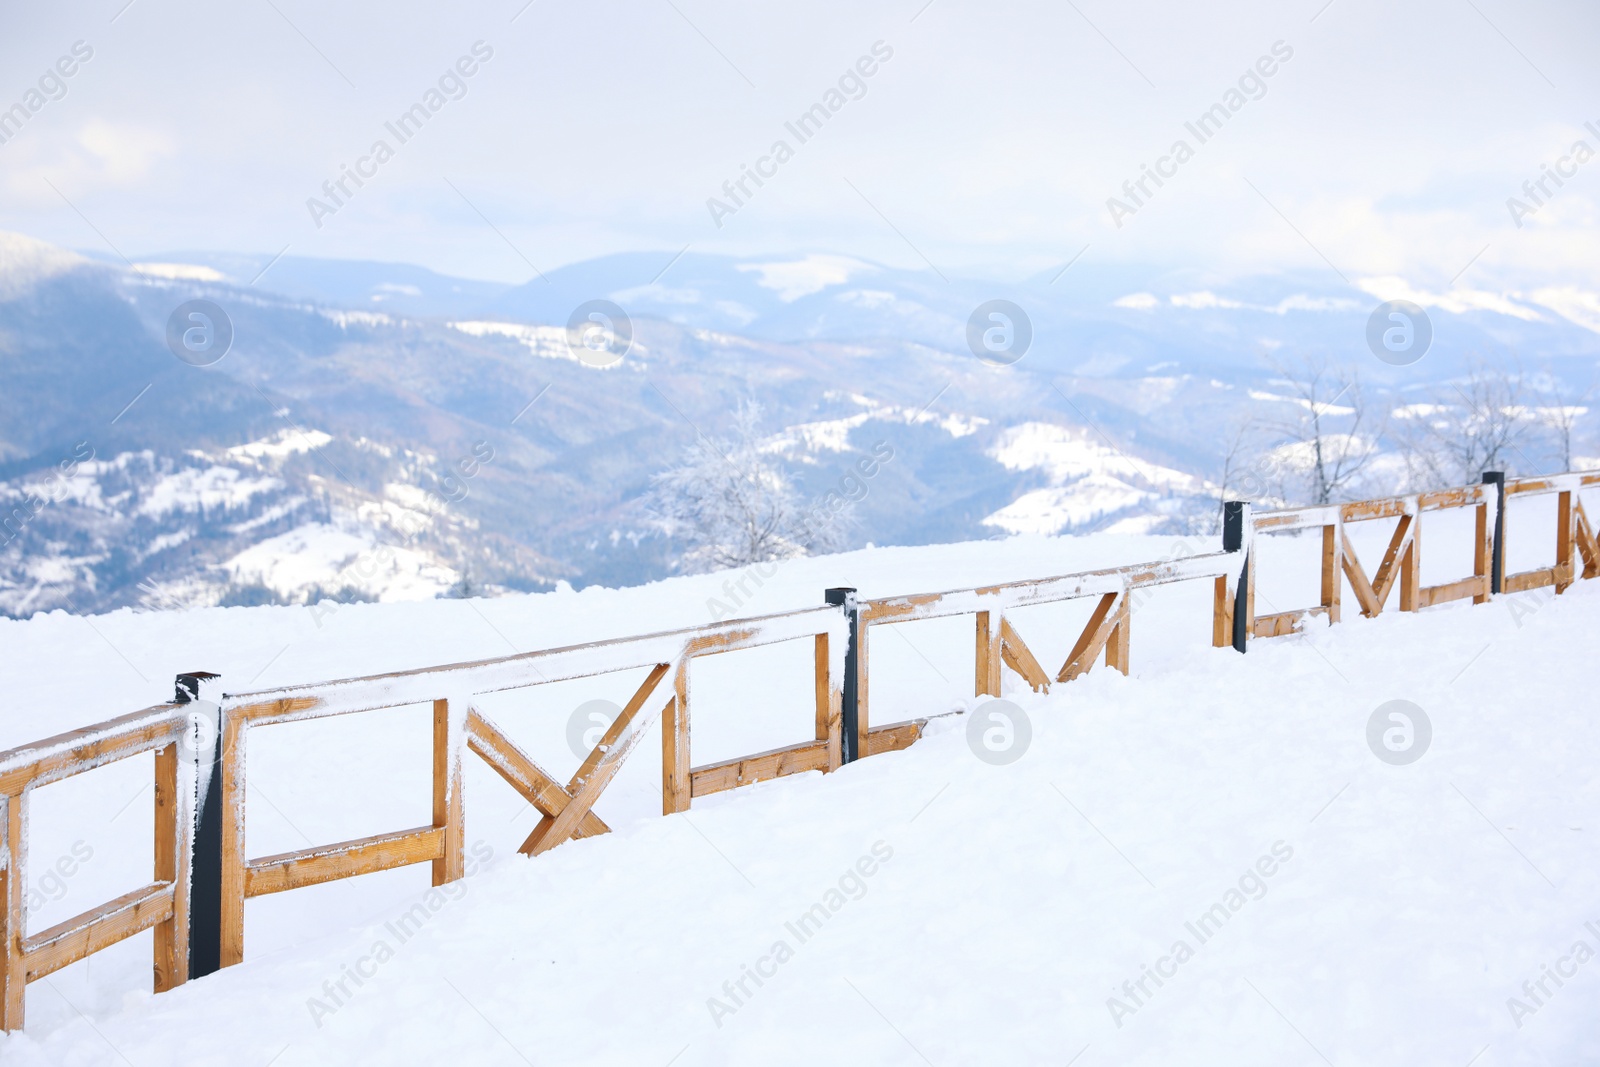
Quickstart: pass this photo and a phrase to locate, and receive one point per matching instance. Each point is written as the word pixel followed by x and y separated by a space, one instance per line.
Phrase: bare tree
pixel 735 506
pixel 1560 415
pixel 1330 437
pixel 1477 424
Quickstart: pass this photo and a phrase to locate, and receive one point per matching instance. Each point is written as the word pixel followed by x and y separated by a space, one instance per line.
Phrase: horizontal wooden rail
pixel 65 755
pixel 77 938
pixel 327 863
pixel 400 688
pixel 761 767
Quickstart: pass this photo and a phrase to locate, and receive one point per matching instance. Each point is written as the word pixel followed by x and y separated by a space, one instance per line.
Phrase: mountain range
pixel 381 431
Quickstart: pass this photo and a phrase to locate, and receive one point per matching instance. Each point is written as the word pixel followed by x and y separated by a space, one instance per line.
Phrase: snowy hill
pixel 969 913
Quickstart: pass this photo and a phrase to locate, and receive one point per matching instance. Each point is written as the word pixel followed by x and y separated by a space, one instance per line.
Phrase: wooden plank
pixel 1441 499
pixel 424 685
pixel 606 750
pixel 1385 508
pixel 76 751
pixel 618 727
pixel 1473 586
pixel 894 736
pixel 1411 570
pixel 761 767
pixel 173 824
pixel 1384 578
pixel 986 666
pixel 1522 582
pixel 1017 656
pixel 1285 623
pixel 676 785
pixel 519 771
pixel 447 802
pixel 1285 520
pixel 863 715
pixel 347 859
pixel 1332 566
pixel 1482 553
pixel 600 763
pixel 1092 640
pixel 235 730
pixel 13 914
pixel 1565 529
pixel 1020 594
pixel 266 712
pixel 1118 640
pixel 1249 589
pixel 1221 614
pixel 1370 604
pixel 552 831
pixel 1583 535
pixel 83 935
pixel 829 706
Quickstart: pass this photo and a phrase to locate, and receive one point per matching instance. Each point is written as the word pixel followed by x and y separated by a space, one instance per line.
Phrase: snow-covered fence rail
pixel 459 726
pixel 1573 532
pixel 203 875
pixel 163 904
pixel 1108 630
pixel 1402 562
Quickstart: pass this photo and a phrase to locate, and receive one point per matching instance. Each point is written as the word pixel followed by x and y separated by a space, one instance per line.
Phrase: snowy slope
pixel 1004 906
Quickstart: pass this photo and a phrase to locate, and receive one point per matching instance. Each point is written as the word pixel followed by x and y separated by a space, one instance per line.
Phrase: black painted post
pixel 205 859
pixel 850 711
pixel 1234 515
pixel 1497 566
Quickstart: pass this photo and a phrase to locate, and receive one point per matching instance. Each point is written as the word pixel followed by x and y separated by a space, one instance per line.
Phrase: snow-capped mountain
pixel 378 431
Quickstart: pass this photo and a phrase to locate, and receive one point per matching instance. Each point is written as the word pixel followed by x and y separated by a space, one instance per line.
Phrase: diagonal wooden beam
pixel 1370 604
pixel 1093 638
pixel 597 769
pixel 616 729
pixel 1584 536
pixel 552 831
pixel 1389 570
pixel 1018 657
pixel 523 774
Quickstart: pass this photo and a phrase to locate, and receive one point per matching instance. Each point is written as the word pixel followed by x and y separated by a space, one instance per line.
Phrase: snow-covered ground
pixel 969 913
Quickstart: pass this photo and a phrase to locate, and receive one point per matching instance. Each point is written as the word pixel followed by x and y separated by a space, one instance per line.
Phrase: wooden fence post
pixel 676 773
pixel 1332 569
pixel 202 925
pixel 1238 536
pixel 1566 525
pixel 449 741
pixel 852 728
pixel 986 665
pixel 13 912
pixel 1410 562
pixel 1497 570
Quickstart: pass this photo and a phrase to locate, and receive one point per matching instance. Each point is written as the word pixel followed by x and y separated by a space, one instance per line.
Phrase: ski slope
pixel 922 906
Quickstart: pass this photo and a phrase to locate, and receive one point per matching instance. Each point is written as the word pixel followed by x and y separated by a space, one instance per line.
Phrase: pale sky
pixel 987 143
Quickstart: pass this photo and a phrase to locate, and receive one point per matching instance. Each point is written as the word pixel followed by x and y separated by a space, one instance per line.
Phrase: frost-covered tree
pixel 1329 436
pixel 1561 410
pixel 733 504
pixel 1477 424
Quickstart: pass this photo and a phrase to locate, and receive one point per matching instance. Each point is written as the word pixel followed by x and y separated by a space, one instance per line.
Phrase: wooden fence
pixel 203 873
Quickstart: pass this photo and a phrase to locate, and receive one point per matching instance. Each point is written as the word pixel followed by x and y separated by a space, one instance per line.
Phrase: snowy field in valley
pixel 1369 913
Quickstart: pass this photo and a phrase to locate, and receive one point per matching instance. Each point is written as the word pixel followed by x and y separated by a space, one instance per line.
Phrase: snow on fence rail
pixel 203 874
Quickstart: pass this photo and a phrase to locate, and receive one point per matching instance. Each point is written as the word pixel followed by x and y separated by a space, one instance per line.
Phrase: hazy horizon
pixel 988 143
